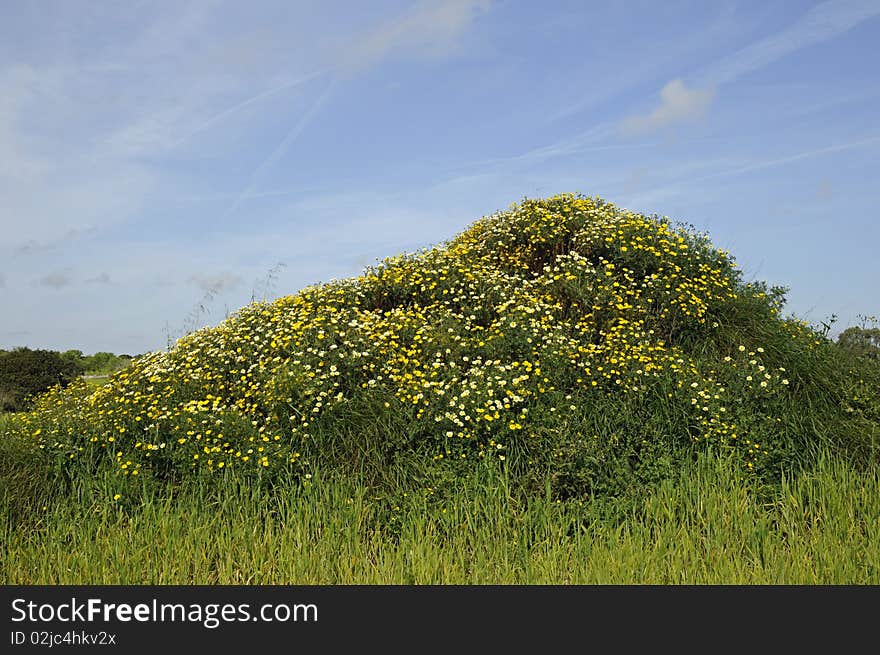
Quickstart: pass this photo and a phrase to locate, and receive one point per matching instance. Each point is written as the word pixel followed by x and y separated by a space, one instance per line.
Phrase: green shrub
pixel 25 373
pixel 861 341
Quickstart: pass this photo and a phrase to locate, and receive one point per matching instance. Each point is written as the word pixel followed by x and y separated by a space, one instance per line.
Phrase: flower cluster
pixel 542 309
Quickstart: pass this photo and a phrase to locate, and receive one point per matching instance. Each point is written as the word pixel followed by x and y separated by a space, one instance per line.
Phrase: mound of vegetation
pixel 583 349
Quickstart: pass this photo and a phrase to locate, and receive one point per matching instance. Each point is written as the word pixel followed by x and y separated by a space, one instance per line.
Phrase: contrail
pixel 789 159
pixel 276 154
pixel 823 22
pixel 826 20
pixel 676 184
pixel 579 143
pixel 244 103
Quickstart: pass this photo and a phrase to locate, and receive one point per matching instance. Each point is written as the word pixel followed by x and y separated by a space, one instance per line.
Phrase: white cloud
pixel 678 104
pixel 430 30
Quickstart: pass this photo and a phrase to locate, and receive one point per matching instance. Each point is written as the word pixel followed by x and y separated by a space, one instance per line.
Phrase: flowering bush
pixel 566 338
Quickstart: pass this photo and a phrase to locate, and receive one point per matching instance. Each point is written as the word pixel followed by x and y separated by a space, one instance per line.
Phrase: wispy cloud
pixel 596 139
pixel 821 23
pixel 101 278
pixel 148 121
pixel 678 104
pixel 779 161
pixel 280 149
pixel 635 69
pixel 106 96
pixel 685 178
pixel 50 168
pixel 168 72
pixel 56 280
pixel 216 283
pixel 432 29
pixel 219 117
pixel 32 246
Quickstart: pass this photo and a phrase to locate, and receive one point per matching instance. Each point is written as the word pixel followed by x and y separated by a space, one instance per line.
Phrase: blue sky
pixel 159 156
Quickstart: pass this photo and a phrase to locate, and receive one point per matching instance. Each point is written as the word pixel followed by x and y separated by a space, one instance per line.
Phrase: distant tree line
pixel 100 363
pixel 25 373
pixel 862 341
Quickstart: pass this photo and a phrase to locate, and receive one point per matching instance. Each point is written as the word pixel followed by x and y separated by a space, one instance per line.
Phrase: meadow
pixel 705 526
pixel 565 393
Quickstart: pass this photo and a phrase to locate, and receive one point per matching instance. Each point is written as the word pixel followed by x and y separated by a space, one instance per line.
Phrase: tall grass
pixel 707 525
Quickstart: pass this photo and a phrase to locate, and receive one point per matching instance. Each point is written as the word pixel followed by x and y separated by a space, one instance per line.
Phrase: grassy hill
pixel 580 357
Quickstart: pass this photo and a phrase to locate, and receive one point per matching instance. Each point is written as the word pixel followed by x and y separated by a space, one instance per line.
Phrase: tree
pixel 25 373
pixel 862 341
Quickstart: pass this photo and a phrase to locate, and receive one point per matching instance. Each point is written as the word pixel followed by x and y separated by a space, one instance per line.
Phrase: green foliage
pixel 73 355
pixel 706 523
pixel 564 393
pixel 862 341
pixel 104 363
pixel 25 373
pixel 586 350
